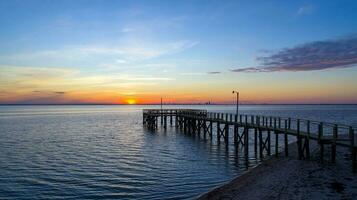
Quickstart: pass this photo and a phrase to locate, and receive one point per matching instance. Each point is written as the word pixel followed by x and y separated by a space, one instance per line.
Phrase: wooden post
pixel 204 128
pixel 276 139
pixel 286 138
pixel 299 142
pixel 211 129
pixel 333 144
pixel 260 144
pixel 194 126
pixel 184 120
pixel 171 117
pixel 269 151
pixel 353 150
pixel 235 134
pixel 199 123
pixel 226 135
pixel 218 132
pixel 177 125
pixel 279 123
pixel 307 141
pixel 165 121
pixel 156 121
pixel 246 141
pixel 270 121
pixel 320 135
pixel 189 125
pixel 289 123
pixel 266 121
pixel 176 118
pixel 162 117
pixel 255 140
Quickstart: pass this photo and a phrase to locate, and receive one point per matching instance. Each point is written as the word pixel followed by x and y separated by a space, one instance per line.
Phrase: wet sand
pixel 290 178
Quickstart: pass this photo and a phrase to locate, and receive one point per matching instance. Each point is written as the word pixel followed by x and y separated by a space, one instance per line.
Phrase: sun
pixel 131 101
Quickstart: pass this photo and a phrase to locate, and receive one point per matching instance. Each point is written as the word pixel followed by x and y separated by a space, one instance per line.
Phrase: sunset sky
pixel 54 52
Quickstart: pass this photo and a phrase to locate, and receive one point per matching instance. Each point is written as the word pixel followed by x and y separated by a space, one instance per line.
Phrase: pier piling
pixel 194 122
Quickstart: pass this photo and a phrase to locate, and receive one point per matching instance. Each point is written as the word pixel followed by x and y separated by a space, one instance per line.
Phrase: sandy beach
pixel 290 178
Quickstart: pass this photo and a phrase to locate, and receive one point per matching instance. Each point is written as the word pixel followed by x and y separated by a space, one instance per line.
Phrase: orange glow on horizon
pixel 131 101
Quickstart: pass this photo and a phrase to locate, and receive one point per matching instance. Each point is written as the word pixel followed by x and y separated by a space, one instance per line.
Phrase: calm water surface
pixel 104 152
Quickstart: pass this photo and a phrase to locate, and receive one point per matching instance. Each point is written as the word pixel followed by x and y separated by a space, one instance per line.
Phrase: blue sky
pixel 186 45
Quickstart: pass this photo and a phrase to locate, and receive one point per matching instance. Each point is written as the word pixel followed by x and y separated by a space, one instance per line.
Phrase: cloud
pixel 20 73
pixel 127 30
pixel 213 72
pixel 60 85
pixel 49 92
pixel 303 10
pixel 55 80
pixel 60 93
pixel 319 55
pixel 115 55
pixel 153 26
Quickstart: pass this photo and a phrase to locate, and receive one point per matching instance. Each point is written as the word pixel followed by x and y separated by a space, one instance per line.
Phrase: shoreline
pixel 183 104
pixel 289 178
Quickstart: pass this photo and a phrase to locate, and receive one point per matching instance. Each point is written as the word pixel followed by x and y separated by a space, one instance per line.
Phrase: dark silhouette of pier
pixel 262 128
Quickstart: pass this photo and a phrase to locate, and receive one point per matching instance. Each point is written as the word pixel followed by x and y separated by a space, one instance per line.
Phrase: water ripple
pixel 104 152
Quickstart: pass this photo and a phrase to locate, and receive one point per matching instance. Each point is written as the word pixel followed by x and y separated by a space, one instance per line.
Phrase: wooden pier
pixel 258 129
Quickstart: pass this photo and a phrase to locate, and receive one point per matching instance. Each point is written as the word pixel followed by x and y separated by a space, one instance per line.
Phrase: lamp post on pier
pixel 237 100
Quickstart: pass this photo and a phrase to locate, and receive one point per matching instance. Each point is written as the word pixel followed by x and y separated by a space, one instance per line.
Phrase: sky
pixel 136 52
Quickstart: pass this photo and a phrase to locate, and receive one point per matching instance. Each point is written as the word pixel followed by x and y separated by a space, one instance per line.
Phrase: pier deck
pixel 260 129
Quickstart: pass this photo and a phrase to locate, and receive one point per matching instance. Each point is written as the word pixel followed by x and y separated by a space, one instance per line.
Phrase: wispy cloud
pixel 213 72
pixel 14 73
pixel 305 9
pixel 39 79
pixel 319 55
pixel 49 92
pixel 127 30
pixel 144 26
pixel 55 85
pixel 118 55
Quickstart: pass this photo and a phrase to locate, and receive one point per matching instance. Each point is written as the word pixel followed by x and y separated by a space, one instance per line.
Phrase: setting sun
pixel 131 101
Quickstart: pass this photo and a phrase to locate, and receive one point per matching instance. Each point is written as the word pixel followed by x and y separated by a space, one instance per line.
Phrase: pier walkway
pixel 260 129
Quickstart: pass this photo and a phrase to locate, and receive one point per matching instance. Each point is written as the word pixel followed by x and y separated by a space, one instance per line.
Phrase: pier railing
pixel 198 121
pixel 174 112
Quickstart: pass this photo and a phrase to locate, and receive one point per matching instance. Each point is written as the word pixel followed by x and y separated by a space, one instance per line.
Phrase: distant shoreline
pixel 262 104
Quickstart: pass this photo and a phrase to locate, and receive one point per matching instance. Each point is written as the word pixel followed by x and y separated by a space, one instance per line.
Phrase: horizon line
pixel 202 104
